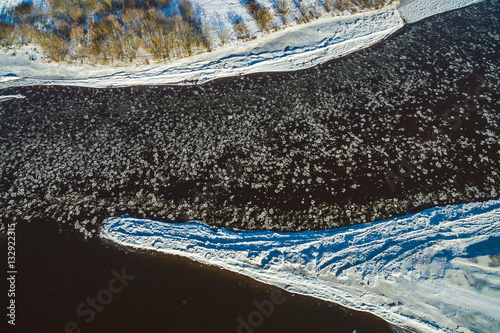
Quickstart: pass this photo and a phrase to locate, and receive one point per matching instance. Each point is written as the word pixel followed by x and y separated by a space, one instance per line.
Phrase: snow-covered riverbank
pixel 437 270
pixel 297 47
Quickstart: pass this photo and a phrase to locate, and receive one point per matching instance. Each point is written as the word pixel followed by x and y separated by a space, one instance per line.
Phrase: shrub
pixel 160 3
pixel 367 4
pixel 131 46
pixel 6 34
pixel 63 28
pixel 364 4
pixel 330 5
pixel 307 12
pixel 23 9
pixel 61 7
pixel 262 15
pixel 187 11
pixel 94 6
pixel 241 29
pixel 98 33
pixel 76 15
pixel 225 36
pixel 77 35
pixel 108 4
pixel 133 21
pixel 53 44
pixel 381 3
pixel 342 5
pixel 24 33
pixel 208 33
pixel 284 9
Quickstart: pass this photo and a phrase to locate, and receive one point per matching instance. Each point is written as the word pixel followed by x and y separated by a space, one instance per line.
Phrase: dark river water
pixel 59 270
pixel 410 123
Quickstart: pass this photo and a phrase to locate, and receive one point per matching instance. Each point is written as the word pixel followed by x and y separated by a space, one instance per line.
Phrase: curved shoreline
pixel 406 270
pixel 299 47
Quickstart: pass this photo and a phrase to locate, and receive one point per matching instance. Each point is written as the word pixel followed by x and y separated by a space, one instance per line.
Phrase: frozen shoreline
pixel 430 271
pixel 294 48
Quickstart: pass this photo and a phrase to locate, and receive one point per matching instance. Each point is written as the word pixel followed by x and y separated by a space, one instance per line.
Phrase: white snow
pixel 296 47
pixel 8 77
pixel 4 98
pixel 433 271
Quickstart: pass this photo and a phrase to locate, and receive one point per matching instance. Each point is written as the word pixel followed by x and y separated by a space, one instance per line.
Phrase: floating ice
pixel 437 270
pixel 4 98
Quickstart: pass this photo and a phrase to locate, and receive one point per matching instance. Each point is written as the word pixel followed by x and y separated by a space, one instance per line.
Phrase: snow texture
pixel 434 271
pixel 296 47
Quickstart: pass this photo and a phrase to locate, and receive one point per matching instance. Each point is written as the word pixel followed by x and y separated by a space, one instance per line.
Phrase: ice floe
pixel 4 98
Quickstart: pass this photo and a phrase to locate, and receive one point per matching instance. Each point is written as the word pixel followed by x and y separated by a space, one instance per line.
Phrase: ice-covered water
pixel 436 270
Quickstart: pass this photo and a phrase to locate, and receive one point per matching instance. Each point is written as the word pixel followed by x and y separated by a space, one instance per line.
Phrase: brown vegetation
pixel 107 30
pixel 367 4
pixel 53 44
pixel 284 10
pixel 23 9
pixel 262 15
pixel 307 12
pixel 6 34
pixel 342 5
pixel 241 30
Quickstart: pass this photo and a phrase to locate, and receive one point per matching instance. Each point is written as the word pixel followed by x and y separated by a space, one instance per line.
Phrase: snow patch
pixel 429 271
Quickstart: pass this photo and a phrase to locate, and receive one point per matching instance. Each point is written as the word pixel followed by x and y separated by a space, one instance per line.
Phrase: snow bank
pixel 431 271
pixel 297 47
